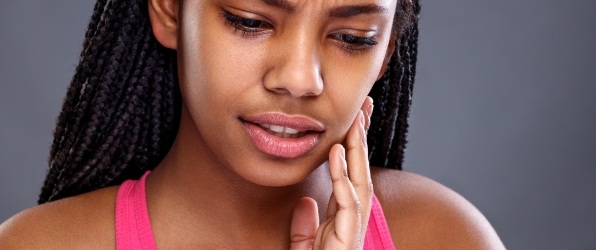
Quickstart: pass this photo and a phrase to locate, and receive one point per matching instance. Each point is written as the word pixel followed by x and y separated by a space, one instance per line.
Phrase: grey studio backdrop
pixel 504 108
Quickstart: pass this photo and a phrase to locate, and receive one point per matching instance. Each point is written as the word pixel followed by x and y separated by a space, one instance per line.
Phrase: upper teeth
pixel 280 129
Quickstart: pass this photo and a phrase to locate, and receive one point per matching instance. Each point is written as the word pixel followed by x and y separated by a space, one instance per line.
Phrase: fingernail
pixel 342 153
pixel 369 110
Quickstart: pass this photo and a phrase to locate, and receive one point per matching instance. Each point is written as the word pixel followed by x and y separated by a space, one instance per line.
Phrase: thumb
pixel 305 221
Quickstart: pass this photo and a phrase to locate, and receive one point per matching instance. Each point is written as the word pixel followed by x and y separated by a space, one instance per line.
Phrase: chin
pixel 277 172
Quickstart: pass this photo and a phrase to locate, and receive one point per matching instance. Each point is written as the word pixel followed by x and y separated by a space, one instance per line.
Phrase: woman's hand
pixel 349 206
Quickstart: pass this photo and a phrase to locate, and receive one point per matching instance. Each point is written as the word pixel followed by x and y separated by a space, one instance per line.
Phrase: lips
pixel 282 136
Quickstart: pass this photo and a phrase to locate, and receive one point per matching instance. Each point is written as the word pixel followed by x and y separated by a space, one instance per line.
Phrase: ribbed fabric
pixel 133 227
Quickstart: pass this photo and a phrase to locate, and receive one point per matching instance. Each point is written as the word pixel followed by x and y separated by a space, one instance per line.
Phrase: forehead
pixel 331 2
pixel 381 6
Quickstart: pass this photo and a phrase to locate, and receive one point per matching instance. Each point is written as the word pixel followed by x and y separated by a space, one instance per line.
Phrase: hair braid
pixel 112 126
pixel 392 94
pixel 99 105
pixel 63 135
pixel 409 54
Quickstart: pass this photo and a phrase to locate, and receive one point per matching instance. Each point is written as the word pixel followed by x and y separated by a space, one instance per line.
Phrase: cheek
pixel 214 68
pixel 349 82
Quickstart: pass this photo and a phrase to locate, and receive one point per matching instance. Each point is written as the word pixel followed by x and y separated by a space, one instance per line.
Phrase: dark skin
pixel 248 189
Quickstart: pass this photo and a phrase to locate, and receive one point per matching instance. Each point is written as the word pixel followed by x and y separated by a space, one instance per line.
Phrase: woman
pixel 254 120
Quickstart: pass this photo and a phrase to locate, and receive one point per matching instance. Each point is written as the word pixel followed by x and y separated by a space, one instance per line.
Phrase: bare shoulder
pixel 423 214
pixel 81 222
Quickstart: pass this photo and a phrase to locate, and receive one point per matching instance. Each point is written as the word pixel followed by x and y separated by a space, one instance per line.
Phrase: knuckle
pixel 301 238
pixel 343 177
pixel 363 139
pixel 357 185
pixel 367 186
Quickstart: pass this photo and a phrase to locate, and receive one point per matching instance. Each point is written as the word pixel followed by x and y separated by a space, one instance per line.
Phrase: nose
pixel 295 68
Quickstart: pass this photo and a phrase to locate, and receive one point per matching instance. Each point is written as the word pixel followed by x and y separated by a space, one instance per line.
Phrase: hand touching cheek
pixel 350 204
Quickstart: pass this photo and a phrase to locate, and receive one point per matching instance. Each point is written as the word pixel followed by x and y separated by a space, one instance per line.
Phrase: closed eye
pixel 354 43
pixel 247 26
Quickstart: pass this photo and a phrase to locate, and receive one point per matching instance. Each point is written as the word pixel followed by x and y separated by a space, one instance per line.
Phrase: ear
pixel 163 15
pixel 388 54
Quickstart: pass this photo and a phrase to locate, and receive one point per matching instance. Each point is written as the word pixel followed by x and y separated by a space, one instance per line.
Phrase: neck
pixel 193 193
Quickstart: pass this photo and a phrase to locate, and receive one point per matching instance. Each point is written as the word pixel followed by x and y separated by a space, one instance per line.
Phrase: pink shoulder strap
pixel 377 233
pixel 133 228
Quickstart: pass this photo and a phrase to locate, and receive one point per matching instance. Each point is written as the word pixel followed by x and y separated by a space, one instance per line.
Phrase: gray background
pixel 503 113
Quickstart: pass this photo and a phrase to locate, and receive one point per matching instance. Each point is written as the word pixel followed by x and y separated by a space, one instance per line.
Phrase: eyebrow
pixel 355 10
pixel 282 4
pixel 341 12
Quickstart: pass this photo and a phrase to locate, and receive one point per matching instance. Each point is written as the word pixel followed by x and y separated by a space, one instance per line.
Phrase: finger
pixel 367 108
pixel 358 167
pixel 347 215
pixel 331 206
pixel 305 221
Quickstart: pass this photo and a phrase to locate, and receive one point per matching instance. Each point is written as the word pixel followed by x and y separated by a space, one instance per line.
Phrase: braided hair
pixel 392 94
pixel 122 109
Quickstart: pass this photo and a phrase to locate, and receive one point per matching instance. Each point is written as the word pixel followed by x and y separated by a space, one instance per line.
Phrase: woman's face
pixel 271 85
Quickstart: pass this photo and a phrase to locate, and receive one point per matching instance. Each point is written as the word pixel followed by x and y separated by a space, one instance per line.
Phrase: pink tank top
pixel 133 228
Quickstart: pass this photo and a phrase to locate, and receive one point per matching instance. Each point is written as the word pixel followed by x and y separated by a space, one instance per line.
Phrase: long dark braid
pixel 120 115
pixel 392 94
pixel 122 109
